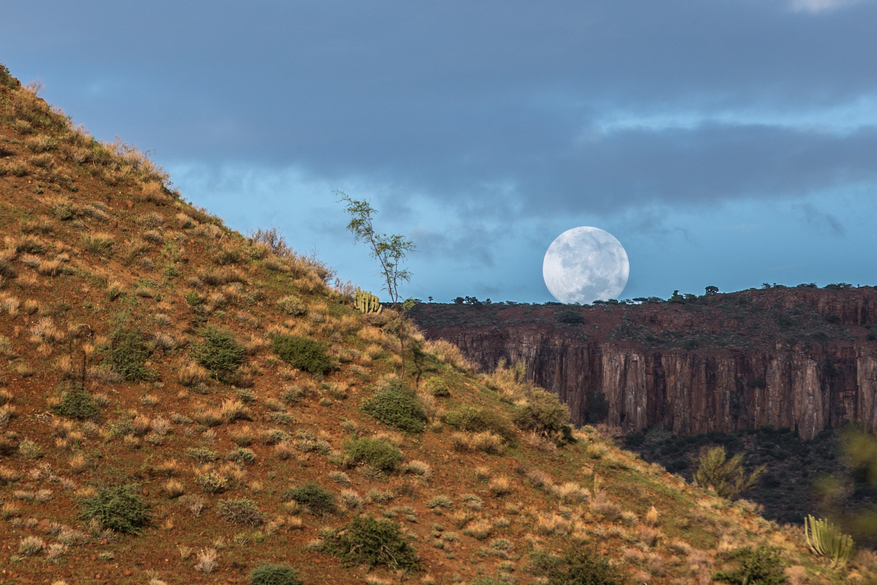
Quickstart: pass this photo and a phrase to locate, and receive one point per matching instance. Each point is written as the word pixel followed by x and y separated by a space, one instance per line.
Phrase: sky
pixel 724 144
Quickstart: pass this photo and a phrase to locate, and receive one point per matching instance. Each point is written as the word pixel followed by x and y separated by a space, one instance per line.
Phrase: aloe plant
pixel 825 540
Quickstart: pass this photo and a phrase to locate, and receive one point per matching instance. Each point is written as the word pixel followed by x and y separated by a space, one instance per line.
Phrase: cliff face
pixel 798 358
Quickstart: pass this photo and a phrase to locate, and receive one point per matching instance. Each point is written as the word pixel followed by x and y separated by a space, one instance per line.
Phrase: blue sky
pixel 723 143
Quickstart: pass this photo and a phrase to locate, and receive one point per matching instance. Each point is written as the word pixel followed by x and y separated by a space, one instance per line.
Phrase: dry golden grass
pixel 571 493
pixel 192 374
pixel 500 486
pixel 232 410
pixel 45 331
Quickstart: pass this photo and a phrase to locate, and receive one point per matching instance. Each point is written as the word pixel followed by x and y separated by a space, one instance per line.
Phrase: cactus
pixel 825 540
pixel 365 302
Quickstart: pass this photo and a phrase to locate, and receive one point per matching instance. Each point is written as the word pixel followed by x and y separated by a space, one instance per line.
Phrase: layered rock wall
pixel 806 385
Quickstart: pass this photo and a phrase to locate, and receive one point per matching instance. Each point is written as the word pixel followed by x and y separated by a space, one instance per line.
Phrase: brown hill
pixel 183 404
pixel 799 358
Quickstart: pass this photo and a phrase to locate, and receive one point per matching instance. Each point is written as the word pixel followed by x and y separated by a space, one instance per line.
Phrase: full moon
pixel 585 264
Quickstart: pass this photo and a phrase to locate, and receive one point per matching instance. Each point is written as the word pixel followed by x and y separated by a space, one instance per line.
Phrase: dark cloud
pixel 492 113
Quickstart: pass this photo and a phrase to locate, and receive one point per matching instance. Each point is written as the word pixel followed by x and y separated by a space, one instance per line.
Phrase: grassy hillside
pixel 183 404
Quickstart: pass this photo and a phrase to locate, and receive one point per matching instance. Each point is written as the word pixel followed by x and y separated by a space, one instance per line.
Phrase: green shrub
pixel 119 509
pixel 129 351
pixel 303 353
pixel 438 387
pixel 193 298
pixel 582 567
pixel 220 353
pixel 242 512
pixel 241 456
pixel 316 500
pixel 6 78
pixel 759 566
pixel 545 414
pixel 397 407
pixel 478 420
pixel 201 454
pixel 372 542
pixel 375 452
pixel 76 403
pixel 274 575
pixel 543 562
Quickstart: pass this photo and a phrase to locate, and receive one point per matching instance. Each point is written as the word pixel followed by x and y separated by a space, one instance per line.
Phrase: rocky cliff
pixel 802 358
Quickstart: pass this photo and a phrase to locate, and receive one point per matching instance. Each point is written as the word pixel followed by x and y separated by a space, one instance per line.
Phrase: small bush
pixel 201 454
pixel 440 500
pixel 478 420
pixel 317 500
pixel 6 78
pixel 31 545
pixel 438 387
pixel 303 353
pixel 582 567
pixel 291 306
pixel 76 403
pixel 119 509
pixel 375 452
pixel 129 351
pixel 212 482
pixel 220 353
pixel 373 542
pixel 545 414
pixel 241 456
pixel 242 512
pixel 274 575
pixel 30 449
pixel 397 407
pixel 759 566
